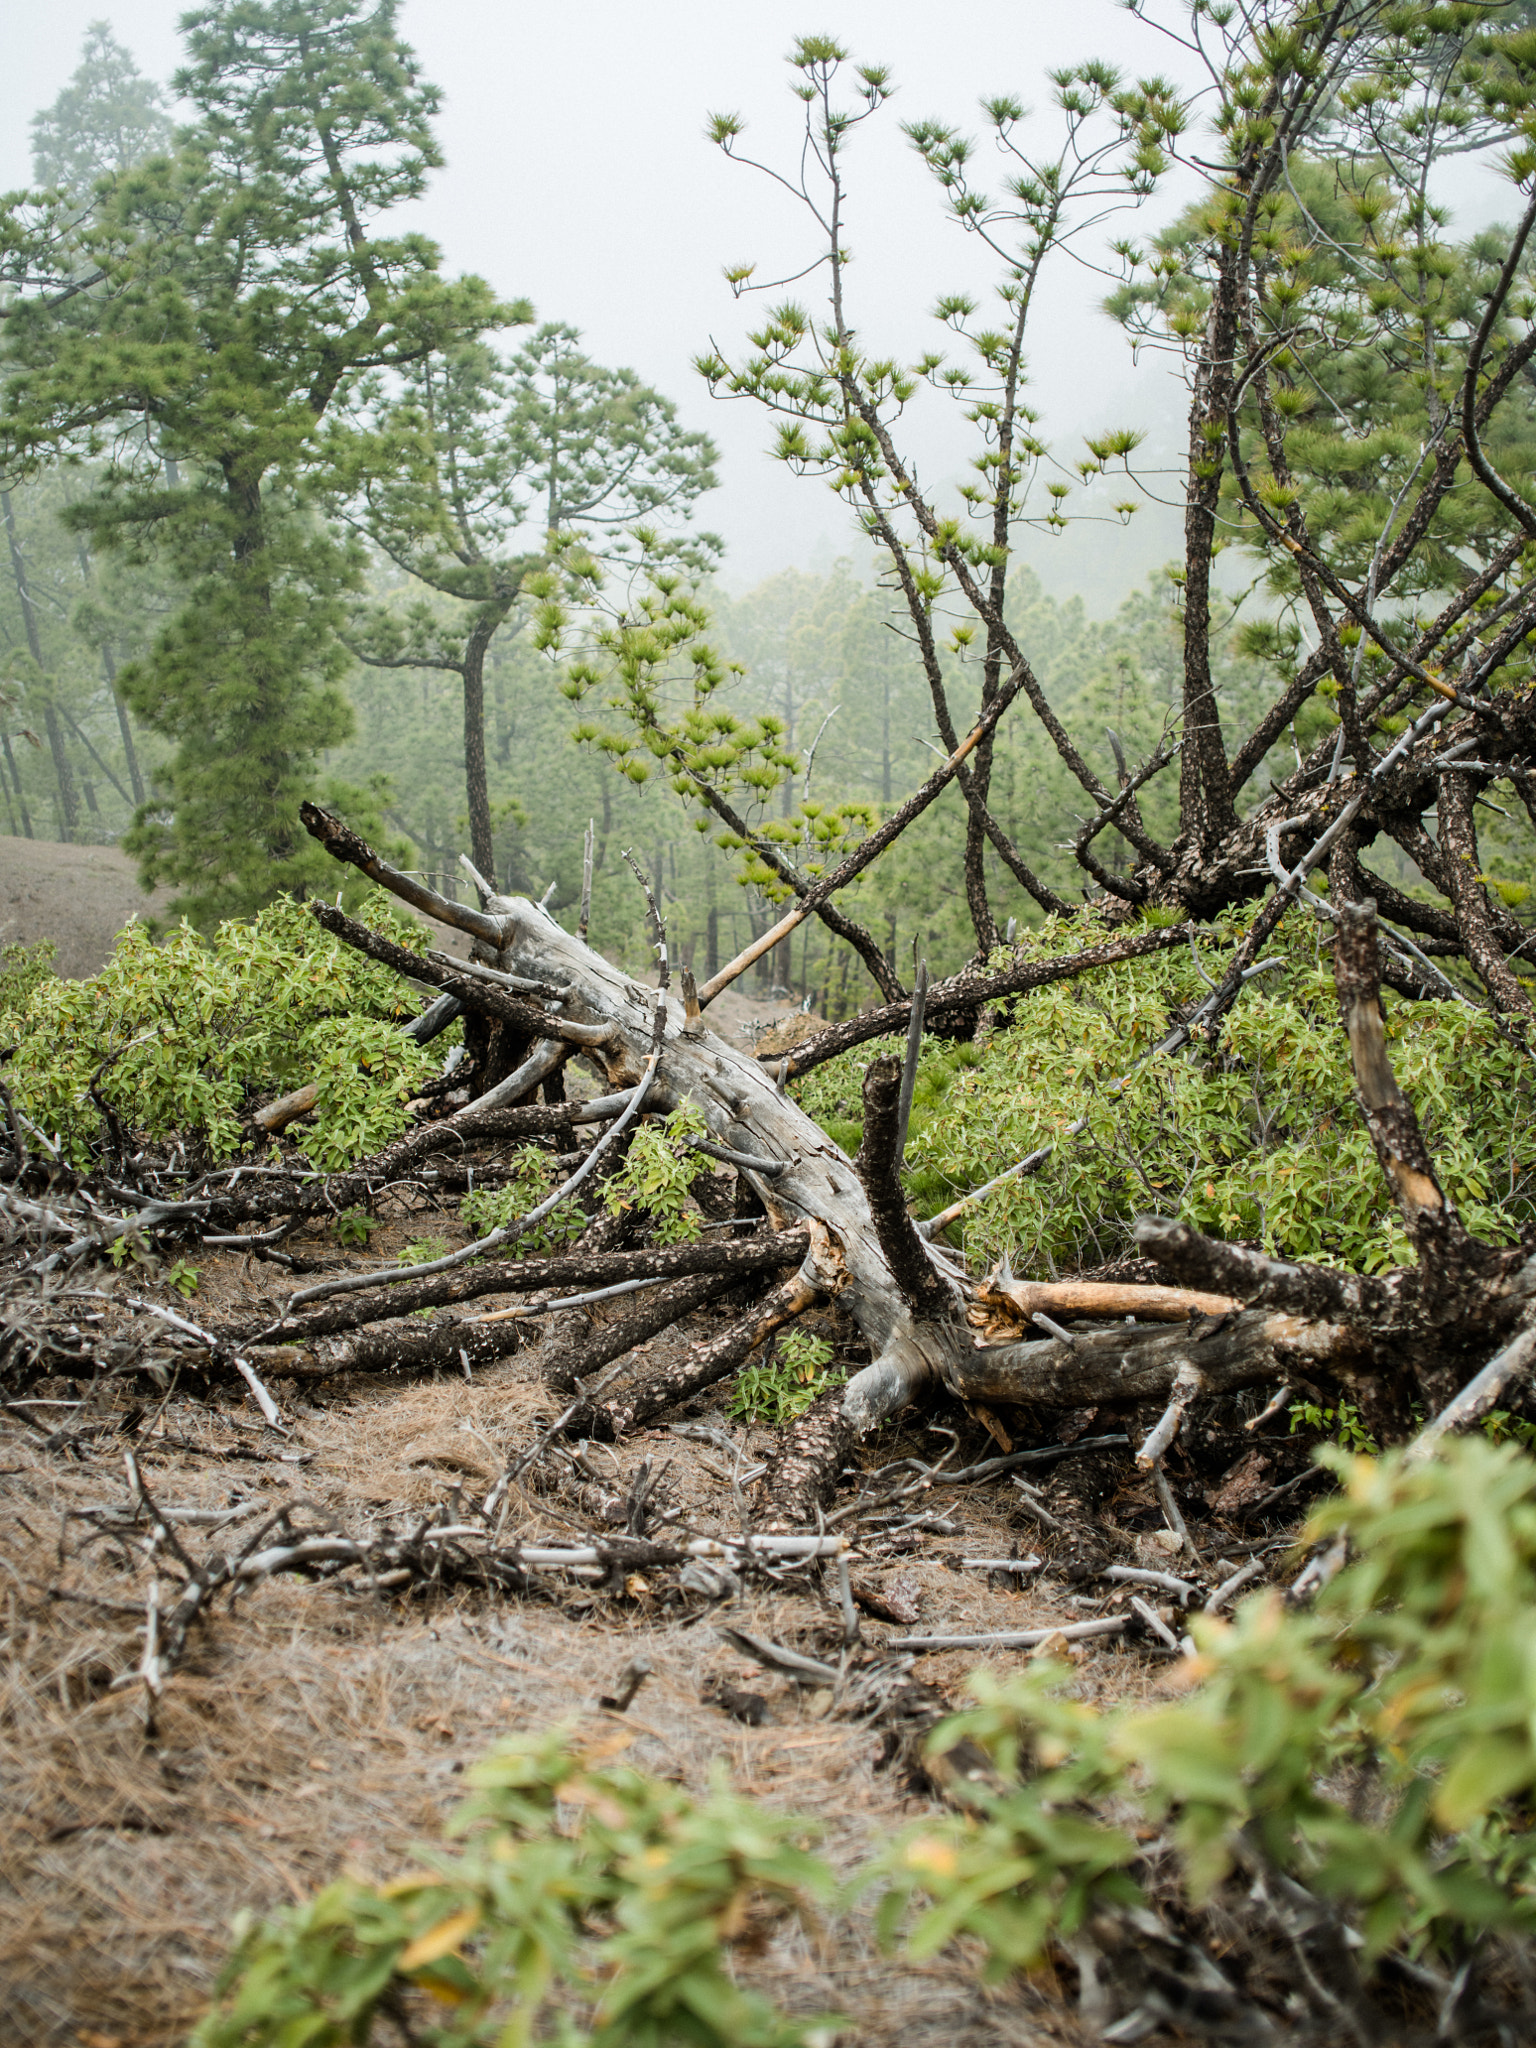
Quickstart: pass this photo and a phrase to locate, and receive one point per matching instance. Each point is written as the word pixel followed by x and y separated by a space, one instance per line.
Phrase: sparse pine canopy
pixel 190 337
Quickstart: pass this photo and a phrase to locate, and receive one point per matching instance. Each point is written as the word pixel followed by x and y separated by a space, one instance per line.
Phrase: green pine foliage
pixel 179 1041
pixel 245 285
pixel 1259 1140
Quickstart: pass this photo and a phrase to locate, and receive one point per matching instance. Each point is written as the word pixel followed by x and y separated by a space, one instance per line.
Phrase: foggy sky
pixel 578 175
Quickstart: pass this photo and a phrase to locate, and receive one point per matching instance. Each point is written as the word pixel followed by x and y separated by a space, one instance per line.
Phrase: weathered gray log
pixel 1141 1364
pixel 740 1104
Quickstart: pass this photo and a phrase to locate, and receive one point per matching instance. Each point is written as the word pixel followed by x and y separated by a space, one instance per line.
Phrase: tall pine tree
pixel 190 335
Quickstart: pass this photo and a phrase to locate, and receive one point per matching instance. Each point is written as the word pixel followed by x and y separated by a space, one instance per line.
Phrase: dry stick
pixel 1146 1301
pixel 1442 1242
pixel 343 844
pixel 870 849
pixel 658 929
pixel 508 1232
pixel 968 991
pixel 1171 1515
pixel 1163 1582
pixel 1013 1638
pixel 586 880
pixel 1158 1627
pixel 1187 1384
pixel 1478 1395
pixel 1230 1588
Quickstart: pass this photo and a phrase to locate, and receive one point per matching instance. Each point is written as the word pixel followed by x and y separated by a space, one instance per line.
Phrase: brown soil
pixel 315 1729
pixel 78 896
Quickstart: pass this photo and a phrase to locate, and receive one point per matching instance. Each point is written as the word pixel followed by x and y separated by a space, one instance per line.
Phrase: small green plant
pixel 532 1181
pixel 131 1245
pixel 588 1905
pixel 421 1251
pixel 776 1394
pixel 657 1173
pixel 183 1276
pixel 1500 1427
pixel 1341 1424
pixel 354 1227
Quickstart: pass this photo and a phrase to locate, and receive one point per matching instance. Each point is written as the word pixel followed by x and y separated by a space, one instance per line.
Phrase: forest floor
pixel 80 897
pixel 318 1728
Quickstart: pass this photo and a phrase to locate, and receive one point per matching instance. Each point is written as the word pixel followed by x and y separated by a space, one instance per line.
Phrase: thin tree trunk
pixel 10 762
pixel 130 752
pixel 69 808
pixel 482 842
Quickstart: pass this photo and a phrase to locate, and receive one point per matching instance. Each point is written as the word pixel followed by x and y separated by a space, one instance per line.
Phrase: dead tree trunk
pixel 800 1175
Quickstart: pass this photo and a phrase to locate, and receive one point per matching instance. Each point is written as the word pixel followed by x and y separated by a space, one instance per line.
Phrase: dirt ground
pixel 78 896
pixel 315 1729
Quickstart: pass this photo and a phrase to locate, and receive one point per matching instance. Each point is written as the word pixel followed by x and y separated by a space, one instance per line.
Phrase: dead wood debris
pixel 1160 1480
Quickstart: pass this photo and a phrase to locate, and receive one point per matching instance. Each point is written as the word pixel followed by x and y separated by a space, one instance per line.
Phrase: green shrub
pixel 1379 1748
pixel 22 969
pixel 533 1181
pixel 177 1038
pixel 657 1172
pixel 588 1906
pixel 1262 1142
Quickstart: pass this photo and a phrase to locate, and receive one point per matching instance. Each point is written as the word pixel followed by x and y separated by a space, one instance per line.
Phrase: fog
pixel 578 174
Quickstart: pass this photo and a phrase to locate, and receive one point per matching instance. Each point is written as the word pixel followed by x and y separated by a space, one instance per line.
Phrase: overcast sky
pixel 578 174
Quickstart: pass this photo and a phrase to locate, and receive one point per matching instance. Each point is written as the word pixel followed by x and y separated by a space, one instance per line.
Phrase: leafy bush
pixel 1262 1142
pixel 533 1180
pixel 22 968
pixel 776 1393
pixel 176 1038
pixel 588 1905
pixel 1378 1749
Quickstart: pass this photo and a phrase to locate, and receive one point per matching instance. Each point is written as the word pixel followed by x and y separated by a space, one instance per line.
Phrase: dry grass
pixel 313 1728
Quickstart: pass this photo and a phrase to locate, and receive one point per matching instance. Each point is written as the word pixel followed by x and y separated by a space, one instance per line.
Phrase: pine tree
pixel 191 336
pixel 489 482
pixel 107 119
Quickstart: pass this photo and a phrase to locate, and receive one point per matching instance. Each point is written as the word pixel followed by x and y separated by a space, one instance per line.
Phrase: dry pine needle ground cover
pixel 315 1728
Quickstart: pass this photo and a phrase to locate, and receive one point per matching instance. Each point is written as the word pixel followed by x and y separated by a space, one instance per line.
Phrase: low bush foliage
pixel 778 1391
pixel 1378 1749
pixel 178 1039
pixel 1261 1142
pixel 657 1173
pixel 589 1905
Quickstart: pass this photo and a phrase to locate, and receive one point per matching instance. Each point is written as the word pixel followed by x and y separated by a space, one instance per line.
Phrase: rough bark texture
pixel 703 1365
pixel 877 1165
pixel 1447 1252
pixel 580 1351
pixel 567 1270
pixel 1135 1364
